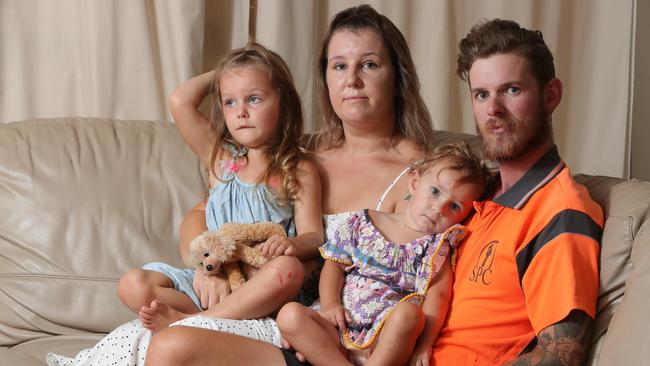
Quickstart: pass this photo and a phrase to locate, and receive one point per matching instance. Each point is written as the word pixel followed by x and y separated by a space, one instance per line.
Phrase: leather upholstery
pixel 83 200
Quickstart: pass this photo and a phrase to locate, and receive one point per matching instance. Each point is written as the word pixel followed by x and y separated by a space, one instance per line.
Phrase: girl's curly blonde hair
pixel 283 151
pixel 457 156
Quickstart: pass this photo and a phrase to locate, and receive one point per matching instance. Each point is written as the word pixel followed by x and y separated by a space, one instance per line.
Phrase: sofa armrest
pixel 620 334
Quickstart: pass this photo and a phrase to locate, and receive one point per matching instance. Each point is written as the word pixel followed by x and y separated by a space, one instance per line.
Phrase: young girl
pixel 382 267
pixel 257 173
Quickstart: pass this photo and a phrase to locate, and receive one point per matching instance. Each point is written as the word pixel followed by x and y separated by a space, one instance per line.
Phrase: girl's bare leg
pixel 274 284
pixel 195 346
pixel 139 287
pixel 398 336
pixel 312 335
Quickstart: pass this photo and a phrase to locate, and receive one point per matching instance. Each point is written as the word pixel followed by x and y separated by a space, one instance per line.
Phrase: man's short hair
pixel 499 36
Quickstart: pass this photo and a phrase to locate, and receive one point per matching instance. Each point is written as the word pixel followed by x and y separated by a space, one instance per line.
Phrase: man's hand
pixel 337 315
pixel 277 245
pixel 210 289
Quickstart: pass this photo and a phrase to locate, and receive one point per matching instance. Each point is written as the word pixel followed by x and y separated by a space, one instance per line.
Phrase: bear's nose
pixel 209 267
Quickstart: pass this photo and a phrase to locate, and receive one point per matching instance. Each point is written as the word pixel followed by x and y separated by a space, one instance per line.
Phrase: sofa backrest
pixel 81 202
pixel 620 334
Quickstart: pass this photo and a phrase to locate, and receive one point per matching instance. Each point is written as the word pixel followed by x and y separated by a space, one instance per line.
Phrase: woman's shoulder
pixel 307 168
pixel 409 150
pixel 309 142
pixel 326 161
pixel 326 152
pixel 306 163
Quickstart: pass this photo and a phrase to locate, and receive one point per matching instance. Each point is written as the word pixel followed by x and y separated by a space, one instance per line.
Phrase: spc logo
pixel 483 269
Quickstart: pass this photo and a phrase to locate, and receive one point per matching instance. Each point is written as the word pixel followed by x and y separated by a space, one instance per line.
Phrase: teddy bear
pixel 229 245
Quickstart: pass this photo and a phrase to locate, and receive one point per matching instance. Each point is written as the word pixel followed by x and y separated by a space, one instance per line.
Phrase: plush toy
pixel 225 247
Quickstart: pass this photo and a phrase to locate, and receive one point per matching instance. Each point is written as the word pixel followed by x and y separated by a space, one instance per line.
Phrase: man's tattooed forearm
pixel 563 343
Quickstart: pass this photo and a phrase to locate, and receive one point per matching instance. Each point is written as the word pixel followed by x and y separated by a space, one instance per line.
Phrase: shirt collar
pixel 544 170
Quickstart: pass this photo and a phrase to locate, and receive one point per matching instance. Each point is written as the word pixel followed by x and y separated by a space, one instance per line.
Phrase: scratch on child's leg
pixel 278 293
pixel 279 276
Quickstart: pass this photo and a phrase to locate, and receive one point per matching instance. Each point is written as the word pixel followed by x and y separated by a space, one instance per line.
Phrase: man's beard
pixel 520 137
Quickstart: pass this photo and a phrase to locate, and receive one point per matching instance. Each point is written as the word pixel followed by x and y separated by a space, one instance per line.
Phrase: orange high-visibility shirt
pixel 531 257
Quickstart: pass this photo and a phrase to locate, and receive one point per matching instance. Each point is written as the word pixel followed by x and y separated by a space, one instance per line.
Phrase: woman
pixel 374 125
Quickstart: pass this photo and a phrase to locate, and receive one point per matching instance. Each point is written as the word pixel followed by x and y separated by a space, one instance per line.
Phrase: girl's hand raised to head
pixel 277 245
pixel 193 125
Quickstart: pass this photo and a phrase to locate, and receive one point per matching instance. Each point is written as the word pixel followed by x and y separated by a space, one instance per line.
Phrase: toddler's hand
pixel 210 289
pixel 277 245
pixel 337 315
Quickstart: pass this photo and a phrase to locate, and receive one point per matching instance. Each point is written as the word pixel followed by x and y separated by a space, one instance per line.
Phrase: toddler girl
pixel 257 173
pixel 386 284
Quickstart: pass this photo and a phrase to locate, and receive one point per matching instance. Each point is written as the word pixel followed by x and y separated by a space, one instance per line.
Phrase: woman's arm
pixel 307 214
pixel 210 289
pixel 192 226
pixel 435 307
pixel 194 126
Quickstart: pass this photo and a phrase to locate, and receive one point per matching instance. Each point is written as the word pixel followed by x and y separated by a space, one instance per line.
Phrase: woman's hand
pixel 277 245
pixel 287 345
pixel 210 289
pixel 337 315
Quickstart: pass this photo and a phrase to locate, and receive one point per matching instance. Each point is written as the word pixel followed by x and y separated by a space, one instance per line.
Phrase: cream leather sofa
pixel 84 200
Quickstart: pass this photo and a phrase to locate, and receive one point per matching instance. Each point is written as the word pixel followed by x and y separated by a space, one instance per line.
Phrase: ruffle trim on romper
pixel 460 232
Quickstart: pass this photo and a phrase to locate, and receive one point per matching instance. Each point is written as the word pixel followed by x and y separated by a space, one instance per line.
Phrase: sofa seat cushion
pixel 33 352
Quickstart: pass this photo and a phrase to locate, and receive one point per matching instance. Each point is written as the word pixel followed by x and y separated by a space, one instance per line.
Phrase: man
pixel 526 278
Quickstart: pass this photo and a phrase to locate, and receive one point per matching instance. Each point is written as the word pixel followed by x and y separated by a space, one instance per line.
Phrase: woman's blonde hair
pixel 283 151
pixel 411 115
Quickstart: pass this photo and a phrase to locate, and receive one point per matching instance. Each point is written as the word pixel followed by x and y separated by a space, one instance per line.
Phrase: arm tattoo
pixel 563 343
